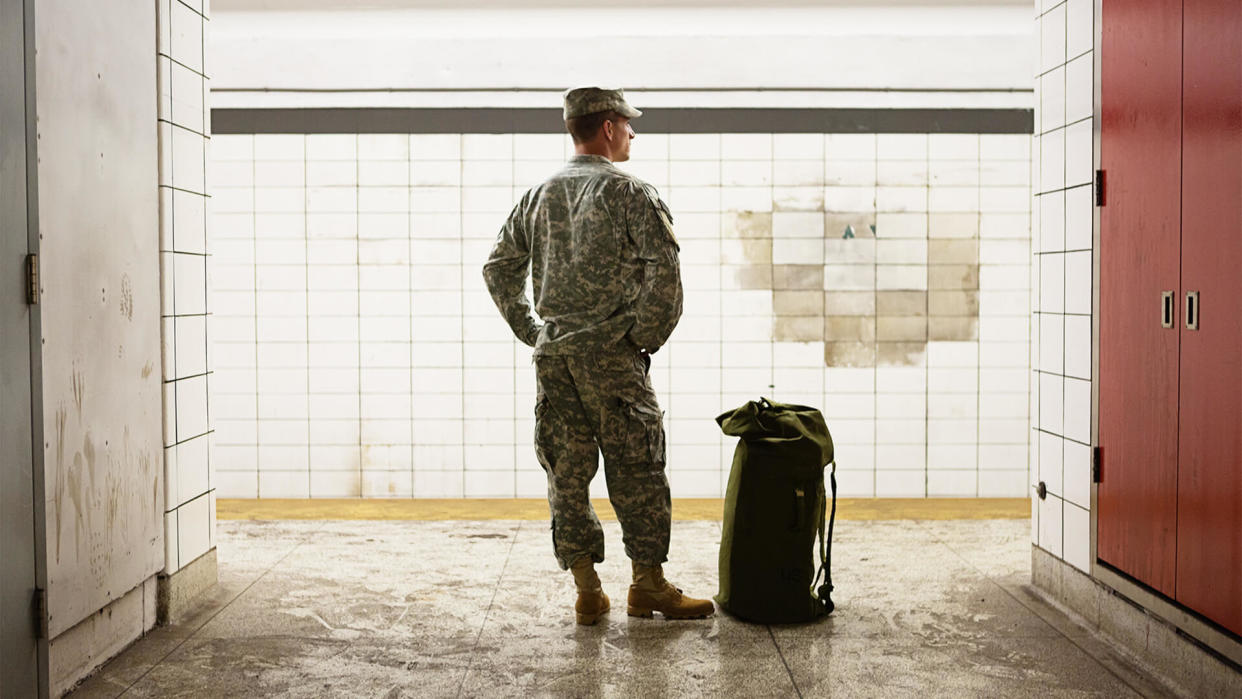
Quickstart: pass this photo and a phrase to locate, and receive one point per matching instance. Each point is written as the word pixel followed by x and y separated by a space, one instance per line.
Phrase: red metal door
pixel 1209 482
pixel 1140 151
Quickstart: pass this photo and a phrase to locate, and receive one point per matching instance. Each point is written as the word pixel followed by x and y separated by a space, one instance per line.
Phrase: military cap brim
pixel 581 101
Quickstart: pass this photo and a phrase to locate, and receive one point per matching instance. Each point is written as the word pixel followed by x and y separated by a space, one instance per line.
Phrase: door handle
pixel 1192 310
pixel 1166 309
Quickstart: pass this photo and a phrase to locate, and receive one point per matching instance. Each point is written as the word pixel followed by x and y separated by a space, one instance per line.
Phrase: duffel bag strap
pixel 825 546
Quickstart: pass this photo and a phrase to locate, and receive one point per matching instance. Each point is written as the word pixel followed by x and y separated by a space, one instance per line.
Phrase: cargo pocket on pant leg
pixel 644 439
pixel 552 528
pixel 545 431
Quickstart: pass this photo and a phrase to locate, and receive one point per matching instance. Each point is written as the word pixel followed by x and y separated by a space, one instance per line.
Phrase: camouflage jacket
pixel 598 244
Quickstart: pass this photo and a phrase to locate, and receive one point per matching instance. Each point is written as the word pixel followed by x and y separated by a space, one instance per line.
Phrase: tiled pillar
pixel 189 519
pixel 1062 280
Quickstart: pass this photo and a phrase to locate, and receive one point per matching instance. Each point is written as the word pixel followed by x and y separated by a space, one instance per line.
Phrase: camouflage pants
pixel 602 402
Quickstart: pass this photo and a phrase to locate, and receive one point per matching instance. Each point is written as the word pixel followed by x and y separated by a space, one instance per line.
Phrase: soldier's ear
pixel 608 127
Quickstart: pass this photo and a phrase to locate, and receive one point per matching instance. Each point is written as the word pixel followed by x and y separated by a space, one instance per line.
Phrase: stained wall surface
pixel 880 277
pixel 100 306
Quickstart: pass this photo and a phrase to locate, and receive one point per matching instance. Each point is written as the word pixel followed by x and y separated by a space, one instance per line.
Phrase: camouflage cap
pixel 581 101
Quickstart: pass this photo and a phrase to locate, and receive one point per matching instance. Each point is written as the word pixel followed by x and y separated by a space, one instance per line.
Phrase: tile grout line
pixel 875 325
pixel 513 349
pixel 461 295
pixel 306 286
pixel 979 322
pixel 1028 608
pixel 487 614
pixel 1065 145
pixel 1059 314
pixel 927 364
pixel 1034 466
pixel 410 273
pixel 722 477
pixel 1034 462
pixel 200 133
pixel 784 662
pixel 254 306
pixel 358 343
pixel 183 641
pixel 172 343
pixel 771 262
pixel 204 147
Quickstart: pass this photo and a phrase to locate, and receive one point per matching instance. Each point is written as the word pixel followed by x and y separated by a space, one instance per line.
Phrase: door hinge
pixel 32 279
pixel 1099 188
pixel 1095 464
pixel 38 612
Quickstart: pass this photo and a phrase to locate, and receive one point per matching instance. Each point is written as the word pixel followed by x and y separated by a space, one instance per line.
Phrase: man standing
pixel 599 246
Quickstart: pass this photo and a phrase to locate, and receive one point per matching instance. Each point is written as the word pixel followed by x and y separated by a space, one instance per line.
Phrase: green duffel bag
pixel 775 506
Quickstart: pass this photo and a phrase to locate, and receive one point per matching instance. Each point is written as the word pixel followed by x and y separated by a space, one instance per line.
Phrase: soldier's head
pixel 602 133
pixel 599 122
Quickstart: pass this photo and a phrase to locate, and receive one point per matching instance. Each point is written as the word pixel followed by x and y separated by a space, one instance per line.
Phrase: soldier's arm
pixel 659 303
pixel 505 273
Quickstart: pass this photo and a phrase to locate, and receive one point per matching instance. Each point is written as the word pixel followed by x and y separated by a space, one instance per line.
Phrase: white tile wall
pixel 358 353
pixel 189 518
pixel 1062 264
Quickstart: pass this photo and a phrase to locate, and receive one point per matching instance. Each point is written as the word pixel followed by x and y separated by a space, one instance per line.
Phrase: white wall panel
pixel 411 370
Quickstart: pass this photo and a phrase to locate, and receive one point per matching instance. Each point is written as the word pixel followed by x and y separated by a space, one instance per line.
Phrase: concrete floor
pixel 479 609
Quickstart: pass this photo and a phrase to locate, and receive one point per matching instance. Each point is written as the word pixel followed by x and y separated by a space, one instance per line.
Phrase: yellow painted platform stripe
pixel 862 509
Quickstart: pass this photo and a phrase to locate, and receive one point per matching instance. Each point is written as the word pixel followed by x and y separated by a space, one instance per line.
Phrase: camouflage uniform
pixel 599 246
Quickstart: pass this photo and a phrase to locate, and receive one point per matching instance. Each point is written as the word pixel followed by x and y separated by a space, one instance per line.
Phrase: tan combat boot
pixel 592 602
pixel 650 592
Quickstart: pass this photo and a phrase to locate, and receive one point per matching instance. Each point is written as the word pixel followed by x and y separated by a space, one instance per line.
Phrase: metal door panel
pixel 100 309
pixel 1140 152
pixel 1209 481
pixel 19 675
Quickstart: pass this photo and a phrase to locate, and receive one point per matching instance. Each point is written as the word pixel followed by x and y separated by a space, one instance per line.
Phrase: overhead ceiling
pixel 351 5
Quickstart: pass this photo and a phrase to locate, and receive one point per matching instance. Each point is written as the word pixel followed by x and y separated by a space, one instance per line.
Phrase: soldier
pixel 599 246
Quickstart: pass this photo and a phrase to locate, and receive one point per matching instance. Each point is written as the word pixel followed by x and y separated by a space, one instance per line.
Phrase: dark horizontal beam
pixel 656 120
